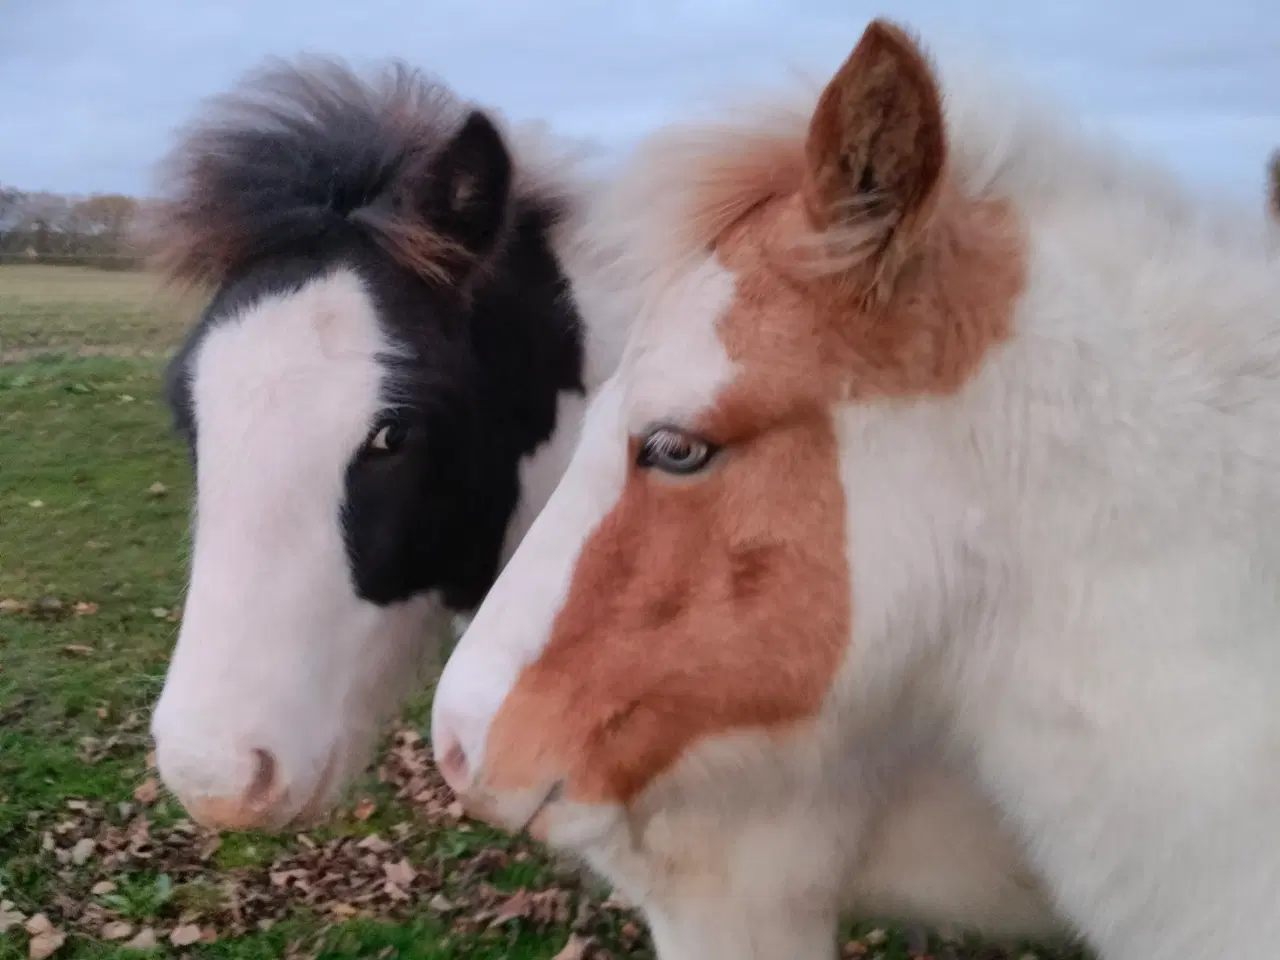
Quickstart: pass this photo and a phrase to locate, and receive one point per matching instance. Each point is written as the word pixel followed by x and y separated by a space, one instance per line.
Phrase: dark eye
pixel 387 437
pixel 674 451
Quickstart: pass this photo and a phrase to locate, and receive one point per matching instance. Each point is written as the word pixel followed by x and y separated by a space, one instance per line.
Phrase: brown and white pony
pixel 411 303
pixel 943 432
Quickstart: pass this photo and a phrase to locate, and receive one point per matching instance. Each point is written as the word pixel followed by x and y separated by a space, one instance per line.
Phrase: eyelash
pixel 658 446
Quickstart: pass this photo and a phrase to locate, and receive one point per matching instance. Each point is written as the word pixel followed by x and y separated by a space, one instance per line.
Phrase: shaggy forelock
pixel 293 150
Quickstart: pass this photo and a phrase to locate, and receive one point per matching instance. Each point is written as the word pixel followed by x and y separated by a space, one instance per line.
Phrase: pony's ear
pixel 876 145
pixel 470 186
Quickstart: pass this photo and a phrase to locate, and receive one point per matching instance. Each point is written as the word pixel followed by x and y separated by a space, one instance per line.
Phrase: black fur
pixel 491 328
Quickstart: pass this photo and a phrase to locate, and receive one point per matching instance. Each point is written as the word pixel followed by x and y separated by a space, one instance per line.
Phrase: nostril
pixel 452 761
pixel 264 779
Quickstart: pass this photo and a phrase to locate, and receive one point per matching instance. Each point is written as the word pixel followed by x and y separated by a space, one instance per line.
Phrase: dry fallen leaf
pixel 36 504
pixel 85 609
pixel 144 940
pixel 157 489
pixel 374 844
pixel 45 940
pixel 440 903
pixel 77 648
pixel 101 887
pixel 44 945
pixel 82 851
pixel 38 924
pixel 575 949
pixel 147 791
pixel 365 809
pixel 116 930
pixel 399 873
pixel 159 612
pixel 9 605
pixel 518 905
pixel 9 915
pixel 185 935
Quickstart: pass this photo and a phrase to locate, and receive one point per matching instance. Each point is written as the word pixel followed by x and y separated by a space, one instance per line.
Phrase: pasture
pixel 95 861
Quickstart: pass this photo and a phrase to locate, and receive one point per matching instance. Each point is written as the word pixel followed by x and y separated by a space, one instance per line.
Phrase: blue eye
pixel 674 451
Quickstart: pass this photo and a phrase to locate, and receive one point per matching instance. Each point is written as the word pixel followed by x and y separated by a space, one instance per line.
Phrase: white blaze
pixel 276 651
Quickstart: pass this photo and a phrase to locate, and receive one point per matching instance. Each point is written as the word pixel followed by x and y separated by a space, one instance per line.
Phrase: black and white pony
pixel 412 305
pixel 378 399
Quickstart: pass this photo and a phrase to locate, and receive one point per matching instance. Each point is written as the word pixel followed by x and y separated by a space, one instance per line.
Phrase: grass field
pixel 95 862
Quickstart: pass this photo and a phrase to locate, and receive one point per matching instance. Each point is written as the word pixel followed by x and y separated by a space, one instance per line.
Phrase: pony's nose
pixel 450 754
pixel 256 807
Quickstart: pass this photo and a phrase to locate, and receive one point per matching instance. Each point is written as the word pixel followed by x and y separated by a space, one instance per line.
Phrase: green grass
pixel 83 442
pixel 80 310
pixel 94 495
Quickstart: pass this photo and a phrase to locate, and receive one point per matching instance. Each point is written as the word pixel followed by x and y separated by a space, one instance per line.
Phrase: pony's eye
pixel 674 451
pixel 387 437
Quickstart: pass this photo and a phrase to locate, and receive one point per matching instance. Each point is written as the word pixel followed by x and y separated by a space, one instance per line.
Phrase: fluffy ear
pixel 876 144
pixel 469 187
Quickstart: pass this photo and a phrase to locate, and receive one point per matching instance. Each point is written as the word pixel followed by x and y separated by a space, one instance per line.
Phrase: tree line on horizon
pixel 1273 185
pixel 40 226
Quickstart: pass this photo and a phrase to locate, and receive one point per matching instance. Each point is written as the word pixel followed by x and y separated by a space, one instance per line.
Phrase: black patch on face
pixel 488 343
pixel 478 394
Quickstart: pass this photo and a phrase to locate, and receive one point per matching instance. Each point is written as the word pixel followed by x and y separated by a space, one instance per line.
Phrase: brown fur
pixel 722 603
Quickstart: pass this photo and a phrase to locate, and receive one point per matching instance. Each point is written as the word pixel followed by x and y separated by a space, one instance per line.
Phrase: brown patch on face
pixel 684 621
pixel 722 603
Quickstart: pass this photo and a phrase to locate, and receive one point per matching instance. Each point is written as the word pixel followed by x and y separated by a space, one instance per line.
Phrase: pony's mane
pixel 293 150
pixel 686 184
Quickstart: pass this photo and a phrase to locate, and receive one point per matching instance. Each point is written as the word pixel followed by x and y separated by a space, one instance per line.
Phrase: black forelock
pixel 292 151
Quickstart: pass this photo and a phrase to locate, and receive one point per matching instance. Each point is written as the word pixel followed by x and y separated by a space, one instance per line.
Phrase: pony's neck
pixel 1133 407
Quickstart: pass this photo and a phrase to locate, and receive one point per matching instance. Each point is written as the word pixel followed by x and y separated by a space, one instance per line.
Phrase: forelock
pixel 293 150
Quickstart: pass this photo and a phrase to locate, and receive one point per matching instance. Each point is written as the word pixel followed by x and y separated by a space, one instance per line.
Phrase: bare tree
pixel 1273 185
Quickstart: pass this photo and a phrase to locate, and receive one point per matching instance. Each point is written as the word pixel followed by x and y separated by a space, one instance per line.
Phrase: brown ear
pixel 876 145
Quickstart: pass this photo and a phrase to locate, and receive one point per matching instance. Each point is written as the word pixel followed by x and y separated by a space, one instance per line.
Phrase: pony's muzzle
pixel 514 811
pixel 258 805
pixel 267 802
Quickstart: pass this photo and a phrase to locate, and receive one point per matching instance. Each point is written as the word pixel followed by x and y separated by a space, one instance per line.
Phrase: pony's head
pixel 388 339
pixel 731 518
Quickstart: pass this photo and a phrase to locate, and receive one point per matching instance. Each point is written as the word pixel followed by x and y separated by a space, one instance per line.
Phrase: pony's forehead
pixel 316 351
pixel 676 365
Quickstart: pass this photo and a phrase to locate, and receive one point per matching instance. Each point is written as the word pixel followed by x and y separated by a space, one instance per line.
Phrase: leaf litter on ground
pixel 389 872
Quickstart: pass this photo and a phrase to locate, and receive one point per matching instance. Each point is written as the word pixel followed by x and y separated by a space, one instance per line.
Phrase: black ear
pixel 470 186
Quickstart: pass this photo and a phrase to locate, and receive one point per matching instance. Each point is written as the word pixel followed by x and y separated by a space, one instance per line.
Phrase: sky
pixel 91 91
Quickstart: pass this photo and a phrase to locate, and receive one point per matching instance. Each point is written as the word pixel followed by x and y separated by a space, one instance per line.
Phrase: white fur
pixel 1067 585
pixel 273 653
